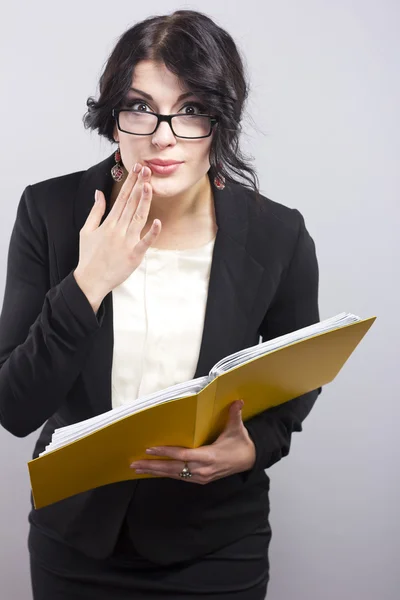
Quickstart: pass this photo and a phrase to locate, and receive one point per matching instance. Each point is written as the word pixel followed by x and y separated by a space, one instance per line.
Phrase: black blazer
pixel 56 360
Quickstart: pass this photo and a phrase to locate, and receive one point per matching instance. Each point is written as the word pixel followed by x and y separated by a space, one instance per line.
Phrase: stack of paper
pixel 71 433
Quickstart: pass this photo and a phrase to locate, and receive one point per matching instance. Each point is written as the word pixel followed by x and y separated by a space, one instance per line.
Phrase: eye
pixel 200 108
pixel 136 102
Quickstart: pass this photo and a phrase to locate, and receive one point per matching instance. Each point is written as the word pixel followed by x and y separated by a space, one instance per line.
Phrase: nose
pixel 163 135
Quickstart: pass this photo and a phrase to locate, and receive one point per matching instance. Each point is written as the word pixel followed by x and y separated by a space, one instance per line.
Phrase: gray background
pixel 323 128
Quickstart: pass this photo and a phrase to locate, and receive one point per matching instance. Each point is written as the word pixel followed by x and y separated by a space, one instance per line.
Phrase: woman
pixel 171 269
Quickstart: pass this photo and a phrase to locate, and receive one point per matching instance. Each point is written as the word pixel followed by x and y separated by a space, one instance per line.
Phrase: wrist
pixel 93 295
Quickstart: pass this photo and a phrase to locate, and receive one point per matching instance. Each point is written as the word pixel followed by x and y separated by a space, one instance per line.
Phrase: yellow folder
pixel 104 456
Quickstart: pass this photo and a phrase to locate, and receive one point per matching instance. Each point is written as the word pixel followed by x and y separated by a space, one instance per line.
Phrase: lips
pixel 163 163
pixel 164 169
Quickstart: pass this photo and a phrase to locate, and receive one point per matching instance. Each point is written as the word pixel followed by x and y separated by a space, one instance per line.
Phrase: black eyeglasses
pixel 137 122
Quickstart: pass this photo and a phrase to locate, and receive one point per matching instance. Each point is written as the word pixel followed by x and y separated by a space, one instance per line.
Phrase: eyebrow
pixel 146 95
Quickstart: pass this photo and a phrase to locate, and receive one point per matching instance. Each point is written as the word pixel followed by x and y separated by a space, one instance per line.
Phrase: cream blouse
pixel 158 315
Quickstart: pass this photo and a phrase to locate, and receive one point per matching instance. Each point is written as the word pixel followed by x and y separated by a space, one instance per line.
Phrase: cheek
pixel 132 153
pixel 200 157
pixel 197 163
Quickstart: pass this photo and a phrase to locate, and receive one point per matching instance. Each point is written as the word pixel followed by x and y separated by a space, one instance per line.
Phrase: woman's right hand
pixel 109 253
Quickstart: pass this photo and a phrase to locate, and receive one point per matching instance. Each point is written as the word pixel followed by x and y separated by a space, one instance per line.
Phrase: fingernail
pixel 143 172
pixel 136 168
pixel 96 195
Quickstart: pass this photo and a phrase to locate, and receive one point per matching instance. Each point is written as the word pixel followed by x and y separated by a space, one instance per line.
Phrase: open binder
pixel 99 450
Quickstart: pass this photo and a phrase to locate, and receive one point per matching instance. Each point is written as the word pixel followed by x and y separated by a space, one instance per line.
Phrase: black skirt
pixel 239 571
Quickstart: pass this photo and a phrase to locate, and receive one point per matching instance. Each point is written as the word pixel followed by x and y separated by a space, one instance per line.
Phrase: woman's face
pixel 155 79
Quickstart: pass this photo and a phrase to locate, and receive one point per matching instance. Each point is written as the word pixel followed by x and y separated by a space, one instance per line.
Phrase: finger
pixel 147 240
pixel 97 211
pixel 123 195
pixel 176 452
pixel 236 409
pixel 134 198
pixel 157 473
pixel 165 466
pixel 138 206
pixel 234 422
pixel 204 455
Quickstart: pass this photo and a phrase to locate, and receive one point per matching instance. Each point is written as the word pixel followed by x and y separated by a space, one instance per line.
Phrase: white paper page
pixel 70 433
pixel 243 356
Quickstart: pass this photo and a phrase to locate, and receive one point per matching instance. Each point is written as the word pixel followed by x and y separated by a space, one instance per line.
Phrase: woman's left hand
pixel 232 452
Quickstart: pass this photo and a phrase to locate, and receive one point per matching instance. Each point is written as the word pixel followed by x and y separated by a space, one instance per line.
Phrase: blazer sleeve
pixel 295 306
pixel 45 333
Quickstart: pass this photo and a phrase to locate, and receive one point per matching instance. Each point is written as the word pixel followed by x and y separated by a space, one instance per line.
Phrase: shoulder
pixel 59 193
pixel 54 188
pixel 271 225
pixel 40 199
pixel 57 183
pixel 50 202
pixel 271 214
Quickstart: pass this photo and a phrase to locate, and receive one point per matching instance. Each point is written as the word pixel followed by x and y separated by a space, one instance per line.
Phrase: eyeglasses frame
pixel 168 118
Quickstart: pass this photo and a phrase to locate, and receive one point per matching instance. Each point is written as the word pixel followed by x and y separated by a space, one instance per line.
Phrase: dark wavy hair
pixel 205 59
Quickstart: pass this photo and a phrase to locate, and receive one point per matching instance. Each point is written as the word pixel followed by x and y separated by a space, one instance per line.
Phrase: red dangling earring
pixel 117 171
pixel 219 179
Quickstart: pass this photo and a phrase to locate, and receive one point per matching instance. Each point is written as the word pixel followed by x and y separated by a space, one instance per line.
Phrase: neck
pixel 195 202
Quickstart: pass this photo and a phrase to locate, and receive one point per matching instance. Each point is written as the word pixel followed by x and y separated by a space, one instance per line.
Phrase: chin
pixel 166 188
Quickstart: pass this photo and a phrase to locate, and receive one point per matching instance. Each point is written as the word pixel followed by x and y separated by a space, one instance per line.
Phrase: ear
pixel 115 134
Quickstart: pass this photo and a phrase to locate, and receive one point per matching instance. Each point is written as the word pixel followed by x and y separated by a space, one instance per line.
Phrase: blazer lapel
pixel 234 280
